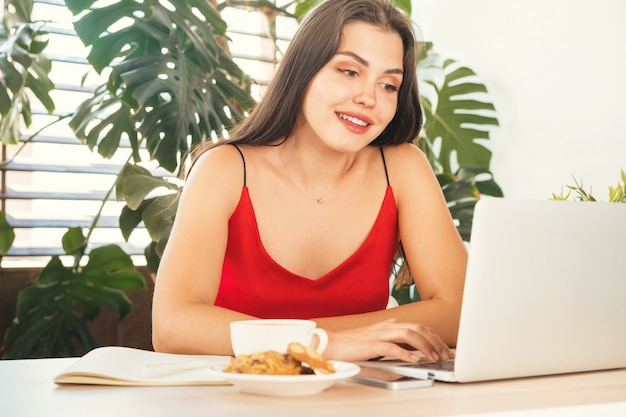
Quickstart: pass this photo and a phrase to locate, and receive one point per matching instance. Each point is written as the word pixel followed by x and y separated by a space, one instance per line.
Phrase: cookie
pixel 267 363
pixel 311 357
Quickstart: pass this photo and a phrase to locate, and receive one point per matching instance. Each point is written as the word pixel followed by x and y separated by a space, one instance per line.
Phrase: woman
pixel 302 217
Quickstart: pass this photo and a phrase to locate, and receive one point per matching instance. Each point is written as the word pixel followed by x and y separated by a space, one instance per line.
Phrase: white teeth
pixel 353 120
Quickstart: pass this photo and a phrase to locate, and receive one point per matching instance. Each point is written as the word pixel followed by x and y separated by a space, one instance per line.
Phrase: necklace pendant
pixel 320 201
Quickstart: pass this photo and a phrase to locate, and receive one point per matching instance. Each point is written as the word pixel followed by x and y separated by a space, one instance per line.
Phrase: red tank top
pixel 253 283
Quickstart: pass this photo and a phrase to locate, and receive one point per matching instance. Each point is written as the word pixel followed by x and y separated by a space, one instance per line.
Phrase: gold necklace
pixel 319 200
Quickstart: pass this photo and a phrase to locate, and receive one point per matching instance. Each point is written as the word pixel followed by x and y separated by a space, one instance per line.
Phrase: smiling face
pixel 354 96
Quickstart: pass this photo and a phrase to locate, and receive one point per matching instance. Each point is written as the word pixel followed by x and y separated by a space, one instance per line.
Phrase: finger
pixel 426 341
pixel 405 339
pixel 443 350
pixel 395 351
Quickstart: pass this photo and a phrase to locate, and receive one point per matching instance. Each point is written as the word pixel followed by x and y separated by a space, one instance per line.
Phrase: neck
pixel 317 172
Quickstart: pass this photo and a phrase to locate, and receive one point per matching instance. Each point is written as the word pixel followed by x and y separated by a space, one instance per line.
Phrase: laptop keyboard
pixel 436 366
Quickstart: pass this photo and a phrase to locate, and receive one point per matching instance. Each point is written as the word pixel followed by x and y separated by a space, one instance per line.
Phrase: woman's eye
pixel 390 87
pixel 348 72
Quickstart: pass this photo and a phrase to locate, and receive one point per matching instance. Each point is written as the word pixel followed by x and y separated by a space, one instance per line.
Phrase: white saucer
pixel 287 384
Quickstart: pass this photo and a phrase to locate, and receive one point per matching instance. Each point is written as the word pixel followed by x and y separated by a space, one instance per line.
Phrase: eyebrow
pixel 365 63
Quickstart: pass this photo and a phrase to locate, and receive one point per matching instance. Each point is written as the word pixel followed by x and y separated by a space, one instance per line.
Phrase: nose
pixel 366 95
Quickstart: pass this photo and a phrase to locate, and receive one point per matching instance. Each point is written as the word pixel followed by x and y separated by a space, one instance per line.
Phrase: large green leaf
pixel 16 11
pixel 153 256
pixel 52 315
pixel 204 13
pixel 159 216
pixel 7 235
pixel 171 82
pixel 461 119
pixel 404 5
pixel 303 6
pixel 135 183
pixel 23 72
pixel 74 242
pixel 101 121
pixel 134 186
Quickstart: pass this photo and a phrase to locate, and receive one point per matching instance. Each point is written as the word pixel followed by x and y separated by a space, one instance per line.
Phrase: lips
pixel 354 120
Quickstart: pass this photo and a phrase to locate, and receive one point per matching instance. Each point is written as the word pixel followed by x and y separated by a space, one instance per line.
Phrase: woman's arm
pixel 433 246
pixel 184 317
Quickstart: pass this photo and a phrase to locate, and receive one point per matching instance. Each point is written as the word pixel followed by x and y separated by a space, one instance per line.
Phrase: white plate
pixel 287 384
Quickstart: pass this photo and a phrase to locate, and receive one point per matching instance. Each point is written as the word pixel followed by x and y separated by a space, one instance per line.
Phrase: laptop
pixel 545 293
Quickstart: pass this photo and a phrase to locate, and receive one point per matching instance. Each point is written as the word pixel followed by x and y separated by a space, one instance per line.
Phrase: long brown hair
pixel 315 42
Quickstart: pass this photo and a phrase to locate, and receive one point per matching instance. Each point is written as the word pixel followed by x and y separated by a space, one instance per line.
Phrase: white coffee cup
pixel 259 335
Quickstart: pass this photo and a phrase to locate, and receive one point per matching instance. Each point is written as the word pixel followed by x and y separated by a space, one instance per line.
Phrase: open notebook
pixel 545 292
pixel 115 365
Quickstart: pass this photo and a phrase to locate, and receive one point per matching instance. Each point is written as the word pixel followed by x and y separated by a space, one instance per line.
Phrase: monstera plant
pixel 171 84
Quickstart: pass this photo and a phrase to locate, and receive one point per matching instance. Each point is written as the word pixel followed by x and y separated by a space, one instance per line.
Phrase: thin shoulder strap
pixel 385 164
pixel 244 163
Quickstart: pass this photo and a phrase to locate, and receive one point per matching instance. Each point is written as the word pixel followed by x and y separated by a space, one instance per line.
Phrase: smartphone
pixel 389 380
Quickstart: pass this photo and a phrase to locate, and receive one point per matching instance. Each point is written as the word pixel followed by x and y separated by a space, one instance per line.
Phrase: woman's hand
pixel 389 338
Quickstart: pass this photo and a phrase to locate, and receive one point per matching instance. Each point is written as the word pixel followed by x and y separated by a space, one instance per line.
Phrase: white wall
pixel 556 70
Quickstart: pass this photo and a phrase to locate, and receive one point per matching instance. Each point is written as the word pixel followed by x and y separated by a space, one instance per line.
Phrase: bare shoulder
pixel 221 158
pixel 218 172
pixel 406 162
pixel 414 182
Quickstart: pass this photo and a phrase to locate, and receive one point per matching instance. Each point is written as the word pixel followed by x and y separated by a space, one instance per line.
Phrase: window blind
pixel 55 182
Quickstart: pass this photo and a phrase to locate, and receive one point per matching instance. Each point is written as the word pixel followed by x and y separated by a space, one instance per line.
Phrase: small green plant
pixel 617 194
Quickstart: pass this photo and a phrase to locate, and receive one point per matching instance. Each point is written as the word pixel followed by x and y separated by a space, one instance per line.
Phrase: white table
pixel 27 389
